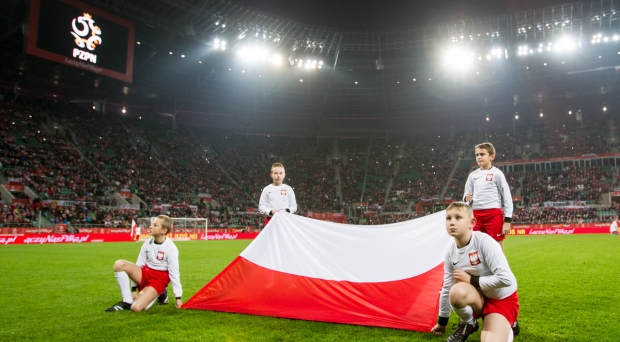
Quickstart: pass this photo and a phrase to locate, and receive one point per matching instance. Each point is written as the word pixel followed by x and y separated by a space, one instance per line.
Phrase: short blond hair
pixel 461 206
pixel 486 146
pixel 276 165
pixel 166 222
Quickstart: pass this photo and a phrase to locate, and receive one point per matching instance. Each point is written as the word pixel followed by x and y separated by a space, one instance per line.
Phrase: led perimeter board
pixel 82 36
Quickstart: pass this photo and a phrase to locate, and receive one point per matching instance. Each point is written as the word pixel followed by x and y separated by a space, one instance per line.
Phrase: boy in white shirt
pixel 613 229
pixel 488 193
pixel 157 266
pixel 277 196
pixel 478 282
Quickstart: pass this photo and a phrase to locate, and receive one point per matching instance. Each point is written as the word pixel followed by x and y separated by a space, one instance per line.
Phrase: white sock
pixel 150 304
pixel 510 335
pixel 123 283
pixel 466 314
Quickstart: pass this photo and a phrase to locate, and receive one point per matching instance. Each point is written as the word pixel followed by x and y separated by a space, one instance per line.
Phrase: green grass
pixel 568 288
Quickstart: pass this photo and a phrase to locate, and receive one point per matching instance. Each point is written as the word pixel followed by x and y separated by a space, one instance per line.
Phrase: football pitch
pixel 568 288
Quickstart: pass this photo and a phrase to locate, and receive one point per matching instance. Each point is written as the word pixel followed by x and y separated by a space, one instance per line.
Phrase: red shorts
pixel 507 307
pixel 490 221
pixel 158 280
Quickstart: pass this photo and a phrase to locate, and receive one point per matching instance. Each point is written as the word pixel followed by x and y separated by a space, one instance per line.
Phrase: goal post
pixel 188 225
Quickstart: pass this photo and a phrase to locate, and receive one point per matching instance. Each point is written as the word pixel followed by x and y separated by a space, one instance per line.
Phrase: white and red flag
pixel 301 268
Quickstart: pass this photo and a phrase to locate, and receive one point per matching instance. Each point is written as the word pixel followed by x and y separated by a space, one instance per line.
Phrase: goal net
pixel 190 226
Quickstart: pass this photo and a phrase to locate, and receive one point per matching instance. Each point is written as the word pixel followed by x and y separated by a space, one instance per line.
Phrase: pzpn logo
pixel 87 35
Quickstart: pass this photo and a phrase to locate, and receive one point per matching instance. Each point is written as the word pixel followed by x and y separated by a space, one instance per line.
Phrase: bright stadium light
pixel 253 54
pixel 497 53
pixel 276 59
pixel 458 58
pixel 564 44
pixel 219 44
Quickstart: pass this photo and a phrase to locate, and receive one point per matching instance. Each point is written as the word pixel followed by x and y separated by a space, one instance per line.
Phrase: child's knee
pixel 119 265
pixel 135 307
pixel 459 294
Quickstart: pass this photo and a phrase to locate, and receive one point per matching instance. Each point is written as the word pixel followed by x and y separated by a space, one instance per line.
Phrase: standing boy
pixel 277 196
pixel 477 282
pixel 137 232
pixel 613 229
pixel 489 195
pixel 157 266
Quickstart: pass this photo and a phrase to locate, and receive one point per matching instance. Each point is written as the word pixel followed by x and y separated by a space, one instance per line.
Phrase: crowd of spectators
pixel 434 159
pixel 66 152
pixel 550 215
pixel 384 218
pixel 569 141
pixel 570 184
pixel 38 155
pixel 17 213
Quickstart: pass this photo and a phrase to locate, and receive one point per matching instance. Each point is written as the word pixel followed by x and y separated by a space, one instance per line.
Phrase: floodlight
pixel 458 58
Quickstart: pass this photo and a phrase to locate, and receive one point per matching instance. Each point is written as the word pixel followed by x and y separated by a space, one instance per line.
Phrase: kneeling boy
pixel 477 282
pixel 157 266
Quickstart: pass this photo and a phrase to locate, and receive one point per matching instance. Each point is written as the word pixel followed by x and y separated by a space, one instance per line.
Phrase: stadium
pixel 115 111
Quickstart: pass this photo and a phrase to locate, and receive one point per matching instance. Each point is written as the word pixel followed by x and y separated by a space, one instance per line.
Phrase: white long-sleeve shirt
pixel 162 257
pixel 490 190
pixel 481 257
pixel 613 228
pixel 277 197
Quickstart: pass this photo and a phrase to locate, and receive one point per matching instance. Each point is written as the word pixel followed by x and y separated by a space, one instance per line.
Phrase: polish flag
pixel 301 268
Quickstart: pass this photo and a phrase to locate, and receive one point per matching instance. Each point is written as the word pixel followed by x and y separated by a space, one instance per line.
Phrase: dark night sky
pixel 380 14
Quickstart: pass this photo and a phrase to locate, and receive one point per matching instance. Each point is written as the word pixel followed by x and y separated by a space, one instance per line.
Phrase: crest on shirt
pixel 489 177
pixel 474 259
pixel 283 192
pixel 160 255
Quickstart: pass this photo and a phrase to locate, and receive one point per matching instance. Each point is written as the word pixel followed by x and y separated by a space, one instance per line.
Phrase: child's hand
pixel 462 276
pixel 506 228
pixel 468 197
pixel 178 304
pixel 438 329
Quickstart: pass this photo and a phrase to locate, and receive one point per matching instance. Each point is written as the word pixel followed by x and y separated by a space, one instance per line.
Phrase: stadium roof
pixel 382 75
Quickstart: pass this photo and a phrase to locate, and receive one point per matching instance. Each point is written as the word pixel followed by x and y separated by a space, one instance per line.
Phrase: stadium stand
pixel 65 152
